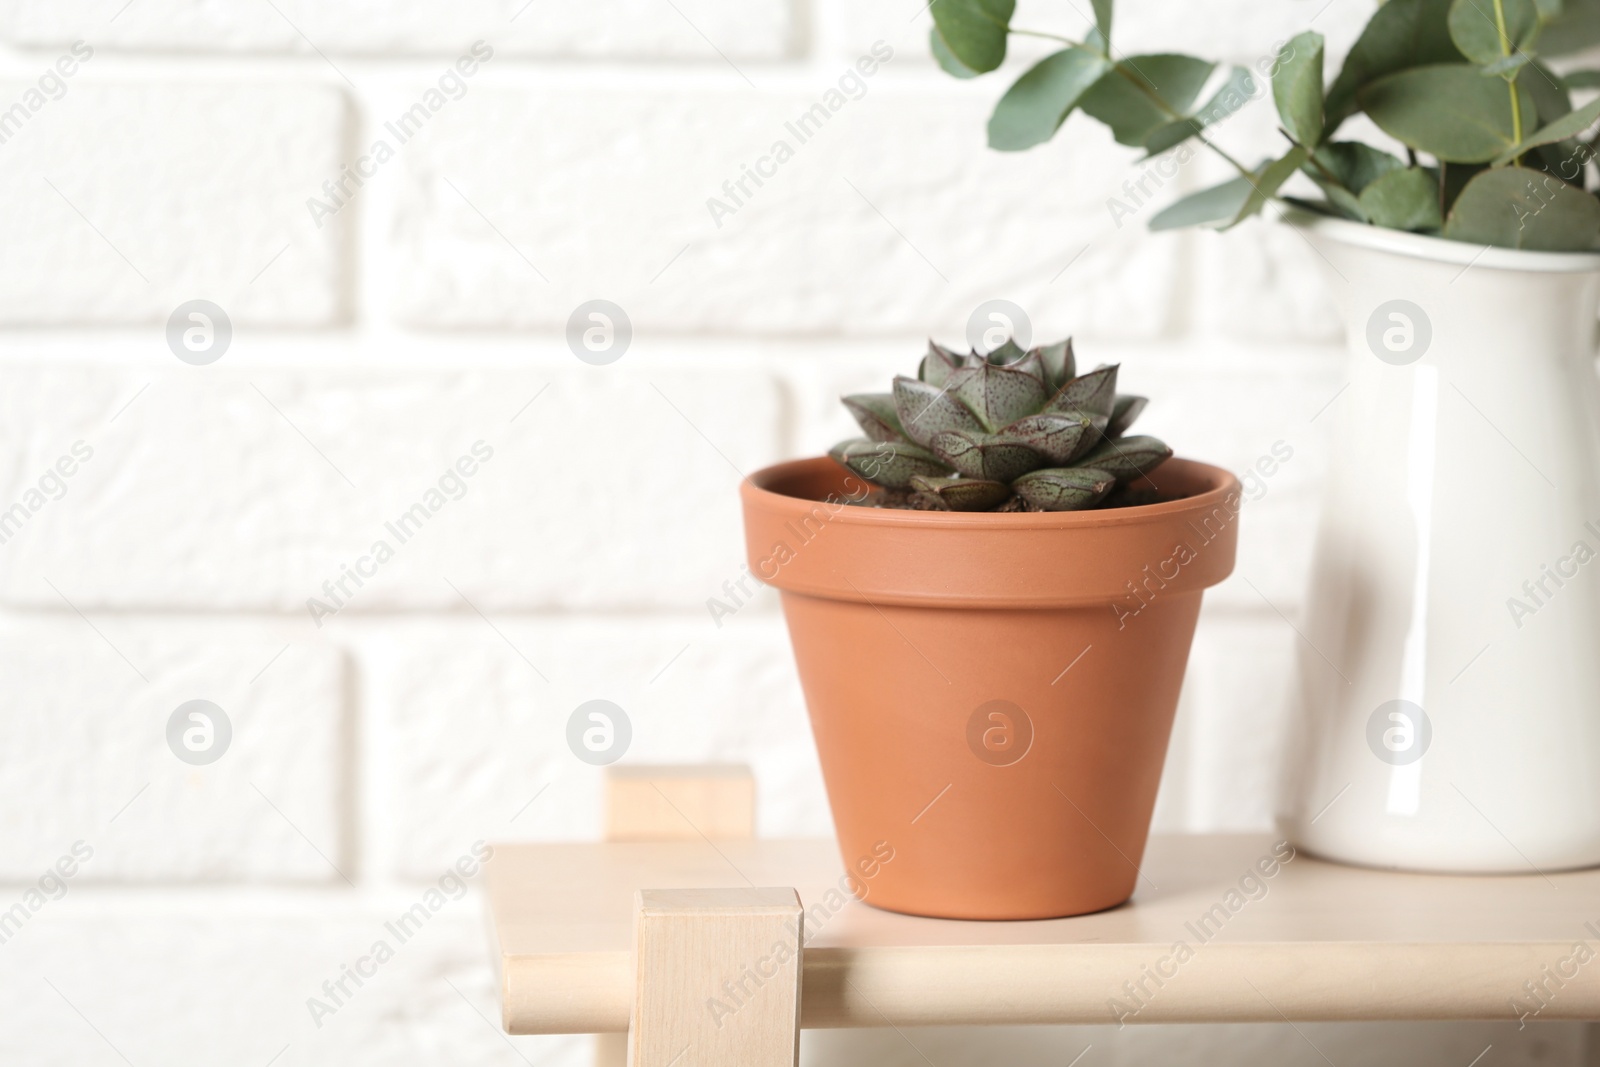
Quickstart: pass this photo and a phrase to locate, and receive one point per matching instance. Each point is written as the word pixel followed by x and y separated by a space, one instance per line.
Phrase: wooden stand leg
pixel 687 803
pixel 610 1050
pixel 674 803
pixel 717 980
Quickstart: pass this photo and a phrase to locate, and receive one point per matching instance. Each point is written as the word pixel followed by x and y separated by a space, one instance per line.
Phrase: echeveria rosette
pixel 973 432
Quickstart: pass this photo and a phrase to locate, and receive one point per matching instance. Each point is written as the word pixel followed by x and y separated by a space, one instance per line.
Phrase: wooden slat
pixel 1312 941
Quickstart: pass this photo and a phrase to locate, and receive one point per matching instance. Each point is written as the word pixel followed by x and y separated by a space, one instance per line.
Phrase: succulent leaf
pixel 938 364
pixel 1058 437
pixel 982 455
pixel 1093 394
pixel 875 414
pixel 1059 364
pixel 962 494
pixel 926 409
pixel 1124 411
pixel 1006 354
pixel 889 464
pixel 1128 457
pixel 1030 362
pixel 1064 488
pixel 998 395
pixel 1010 430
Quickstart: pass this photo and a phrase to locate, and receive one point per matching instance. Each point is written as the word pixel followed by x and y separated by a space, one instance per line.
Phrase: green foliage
pixel 1218 206
pixel 1011 430
pixel 1406 199
pixel 1569 125
pixel 1400 35
pixel 1142 94
pixel 1487 31
pixel 1297 88
pixel 1497 152
pixel 1517 207
pixel 947 59
pixel 1040 101
pixel 1450 111
pixel 974 31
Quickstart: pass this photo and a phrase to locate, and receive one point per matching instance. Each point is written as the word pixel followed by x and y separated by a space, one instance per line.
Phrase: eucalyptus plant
pixel 1006 431
pixel 1495 152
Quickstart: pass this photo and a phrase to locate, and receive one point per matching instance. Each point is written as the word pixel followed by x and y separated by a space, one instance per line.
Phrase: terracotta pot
pixel 991 695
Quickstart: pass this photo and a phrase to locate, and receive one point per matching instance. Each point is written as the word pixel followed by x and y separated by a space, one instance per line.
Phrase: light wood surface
pixel 1314 941
pixel 717 978
pixel 676 802
pixel 680 803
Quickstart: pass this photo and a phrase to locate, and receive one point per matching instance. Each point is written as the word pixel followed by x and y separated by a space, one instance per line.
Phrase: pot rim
pixel 1222 483
pixel 1441 250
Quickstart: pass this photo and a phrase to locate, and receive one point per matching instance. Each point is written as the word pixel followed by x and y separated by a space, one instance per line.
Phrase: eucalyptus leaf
pixel 1216 205
pixel 1401 34
pixel 1517 207
pixel 1507 65
pixel 1234 93
pixel 1145 94
pixel 1040 101
pixel 1456 177
pixel 1404 200
pixel 945 58
pixel 974 31
pixel 1581 79
pixel 1268 180
pixel 1102 18
pixel 1447 110
pixel 1323 207
pixel 1575 29
pixel 1569 125
pixel 1476 30
pixel 1549 92
pixel 1341 201
pixel 1354 164
pixel 1064 489
pixel 1297 88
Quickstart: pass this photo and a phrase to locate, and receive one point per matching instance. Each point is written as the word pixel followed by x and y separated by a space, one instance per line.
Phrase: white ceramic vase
pixel 1448 692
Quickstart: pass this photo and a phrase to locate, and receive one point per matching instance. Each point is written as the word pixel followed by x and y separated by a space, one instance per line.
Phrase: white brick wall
pixel 374 345
pixel 758 29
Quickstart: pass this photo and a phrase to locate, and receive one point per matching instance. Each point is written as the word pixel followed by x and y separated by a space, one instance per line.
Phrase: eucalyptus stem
pixel 1165 108
pixel 1511 84
pixel 1048 37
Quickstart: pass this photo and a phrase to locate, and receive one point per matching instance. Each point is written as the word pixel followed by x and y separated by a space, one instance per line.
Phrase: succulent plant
pixel 1011 430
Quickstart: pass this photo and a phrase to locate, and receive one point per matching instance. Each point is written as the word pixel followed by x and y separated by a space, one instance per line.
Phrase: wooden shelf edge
pixel 1029 984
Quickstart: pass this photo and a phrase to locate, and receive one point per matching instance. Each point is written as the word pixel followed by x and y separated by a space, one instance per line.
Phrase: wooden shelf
pixel 1207 938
